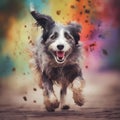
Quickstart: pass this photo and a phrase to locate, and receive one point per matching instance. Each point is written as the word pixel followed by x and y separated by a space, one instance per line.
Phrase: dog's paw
pixel 77 88
pixel 51 106
pixel 65 107
pixel 78 97
pixel 51 103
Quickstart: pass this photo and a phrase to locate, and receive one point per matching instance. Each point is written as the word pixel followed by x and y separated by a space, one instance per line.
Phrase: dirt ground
pixel 102 95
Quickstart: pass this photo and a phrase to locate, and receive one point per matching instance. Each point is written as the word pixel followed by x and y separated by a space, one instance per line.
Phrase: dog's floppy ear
pixel 43 20
pixel 75 26
pixel 75 29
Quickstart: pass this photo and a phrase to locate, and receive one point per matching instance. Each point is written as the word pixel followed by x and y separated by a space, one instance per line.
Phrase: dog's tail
pixel 32 7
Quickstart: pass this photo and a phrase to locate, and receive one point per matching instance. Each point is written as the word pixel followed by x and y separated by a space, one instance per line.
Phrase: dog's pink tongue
pixel 60 54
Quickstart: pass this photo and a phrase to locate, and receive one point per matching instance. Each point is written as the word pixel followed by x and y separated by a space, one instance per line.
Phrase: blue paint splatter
pixel 39 5
pixel 6 66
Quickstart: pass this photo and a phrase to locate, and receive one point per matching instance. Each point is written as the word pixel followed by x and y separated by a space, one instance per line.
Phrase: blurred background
pixel 100 36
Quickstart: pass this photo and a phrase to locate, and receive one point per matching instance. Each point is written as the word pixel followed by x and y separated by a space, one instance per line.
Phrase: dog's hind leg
pixel 77 88
pixel 50 99
pixel 63 93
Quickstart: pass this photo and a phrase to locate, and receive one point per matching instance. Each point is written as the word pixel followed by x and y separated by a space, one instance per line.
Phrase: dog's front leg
pixel 63 93
pixel 50 99
pixel 77 88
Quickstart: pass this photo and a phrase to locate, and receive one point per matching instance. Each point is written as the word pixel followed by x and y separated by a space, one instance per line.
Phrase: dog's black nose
pixel 60 47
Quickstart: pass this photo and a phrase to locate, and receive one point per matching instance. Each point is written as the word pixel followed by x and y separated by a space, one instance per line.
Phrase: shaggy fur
pixel 56 58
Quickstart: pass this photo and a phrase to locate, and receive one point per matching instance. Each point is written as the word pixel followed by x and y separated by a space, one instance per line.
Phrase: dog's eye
pixel 55 35
pixel 67 36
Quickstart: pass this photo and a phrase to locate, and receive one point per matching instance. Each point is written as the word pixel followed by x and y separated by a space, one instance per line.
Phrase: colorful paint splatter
pixel 100 34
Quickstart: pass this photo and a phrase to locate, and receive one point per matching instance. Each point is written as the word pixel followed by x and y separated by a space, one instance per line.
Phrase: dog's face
pixel 60 43
pixel 59 40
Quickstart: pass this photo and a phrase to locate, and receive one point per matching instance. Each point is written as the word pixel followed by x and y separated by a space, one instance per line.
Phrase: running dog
pixel 57 59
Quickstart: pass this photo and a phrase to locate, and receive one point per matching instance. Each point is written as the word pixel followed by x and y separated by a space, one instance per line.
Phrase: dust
pixel 101 90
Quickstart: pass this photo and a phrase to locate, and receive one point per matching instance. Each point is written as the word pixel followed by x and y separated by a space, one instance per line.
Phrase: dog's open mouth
pixel 60 56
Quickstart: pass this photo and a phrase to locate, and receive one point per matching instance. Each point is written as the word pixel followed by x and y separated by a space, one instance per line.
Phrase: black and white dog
pixel 57 59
